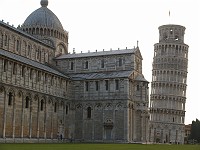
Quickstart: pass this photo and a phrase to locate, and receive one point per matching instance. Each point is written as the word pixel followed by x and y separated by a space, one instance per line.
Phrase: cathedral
pixel 47 93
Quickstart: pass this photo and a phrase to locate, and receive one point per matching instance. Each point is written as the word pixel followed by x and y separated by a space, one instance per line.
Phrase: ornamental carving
pixel 19 94
pixel 1 90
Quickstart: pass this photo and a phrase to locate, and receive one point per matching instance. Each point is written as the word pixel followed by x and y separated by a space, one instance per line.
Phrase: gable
pixel 138 53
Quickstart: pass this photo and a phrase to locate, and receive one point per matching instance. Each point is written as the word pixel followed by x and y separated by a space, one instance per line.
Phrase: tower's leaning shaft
pixel 168 87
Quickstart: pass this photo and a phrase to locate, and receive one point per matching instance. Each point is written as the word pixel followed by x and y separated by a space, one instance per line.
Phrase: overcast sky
pixel 104 24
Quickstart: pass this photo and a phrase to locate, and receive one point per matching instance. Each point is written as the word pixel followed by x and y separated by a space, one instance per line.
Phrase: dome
pixel 43 17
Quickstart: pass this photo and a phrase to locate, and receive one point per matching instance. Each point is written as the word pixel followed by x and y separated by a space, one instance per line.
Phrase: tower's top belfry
pixel 171 33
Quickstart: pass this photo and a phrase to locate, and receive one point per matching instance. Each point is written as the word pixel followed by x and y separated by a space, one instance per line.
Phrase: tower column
pixel 13 115
pixel 4 115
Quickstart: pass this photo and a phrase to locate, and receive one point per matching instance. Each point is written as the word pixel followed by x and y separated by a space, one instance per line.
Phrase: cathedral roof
pixel 23 33
pixel 101 75
pixel 43 17
pixel 101 53
pixel 27 61
pixel 140 78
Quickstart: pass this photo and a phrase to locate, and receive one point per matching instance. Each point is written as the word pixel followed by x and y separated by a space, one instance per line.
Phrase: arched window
pixel 120 61
pixel 5 66
pixel 42 105
pixel 55 107
pixel 6 40
pixel 106 84
pixel 27 102
pixel 171 31
pixel 14 68
pixel 102 63
pixel 86 86
pixel 18 45
pixel 86 65
pixel 89 112
pixel 138 87
pixel 97 85
pixel 116 84
pixel 10 99
pixel 23 71
pixel 72 66
pixel 66 109
pixel 29 51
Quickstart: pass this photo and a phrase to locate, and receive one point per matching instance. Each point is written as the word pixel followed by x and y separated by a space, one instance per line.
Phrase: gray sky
pixel 104 24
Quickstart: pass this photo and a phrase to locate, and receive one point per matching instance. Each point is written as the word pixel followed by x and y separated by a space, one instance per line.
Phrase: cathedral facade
pixel 47 93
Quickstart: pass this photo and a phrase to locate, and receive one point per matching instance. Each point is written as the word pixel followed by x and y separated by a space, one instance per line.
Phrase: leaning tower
pixel 168 87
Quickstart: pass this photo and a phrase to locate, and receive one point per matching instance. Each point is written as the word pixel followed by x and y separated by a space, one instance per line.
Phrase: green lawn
pixel 96 147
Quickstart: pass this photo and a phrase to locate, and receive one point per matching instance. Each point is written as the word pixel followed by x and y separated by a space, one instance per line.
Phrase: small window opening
pixel 97 85
pixel 55 107
pixel 18 45
pixel 86 65
pixel 42 105
pixel 86 86
pixel 66 109
pixel 27 102
pixel 171 31
pixel 5 65
pixel 176 38
pixel 106 84
pixel 138 87
pixel 6 40
pixel 102 63
pixel 89 112
pixel 72 66
pixel 120 62
pixel 117 84
pixel 10 99
pixel 23 71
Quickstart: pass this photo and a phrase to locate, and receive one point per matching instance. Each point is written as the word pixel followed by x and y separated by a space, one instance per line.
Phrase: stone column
pixel 146 128
pixel 132 111
pixel 142 127
pixel 45 119
pixel 131 125
pixel 30 120
pixel 38 135
pixel 13 115
pixel 4 115
pixel 22 118
pixel 51 119
pixel 114 122
pixel 126 122
pixel 92 123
